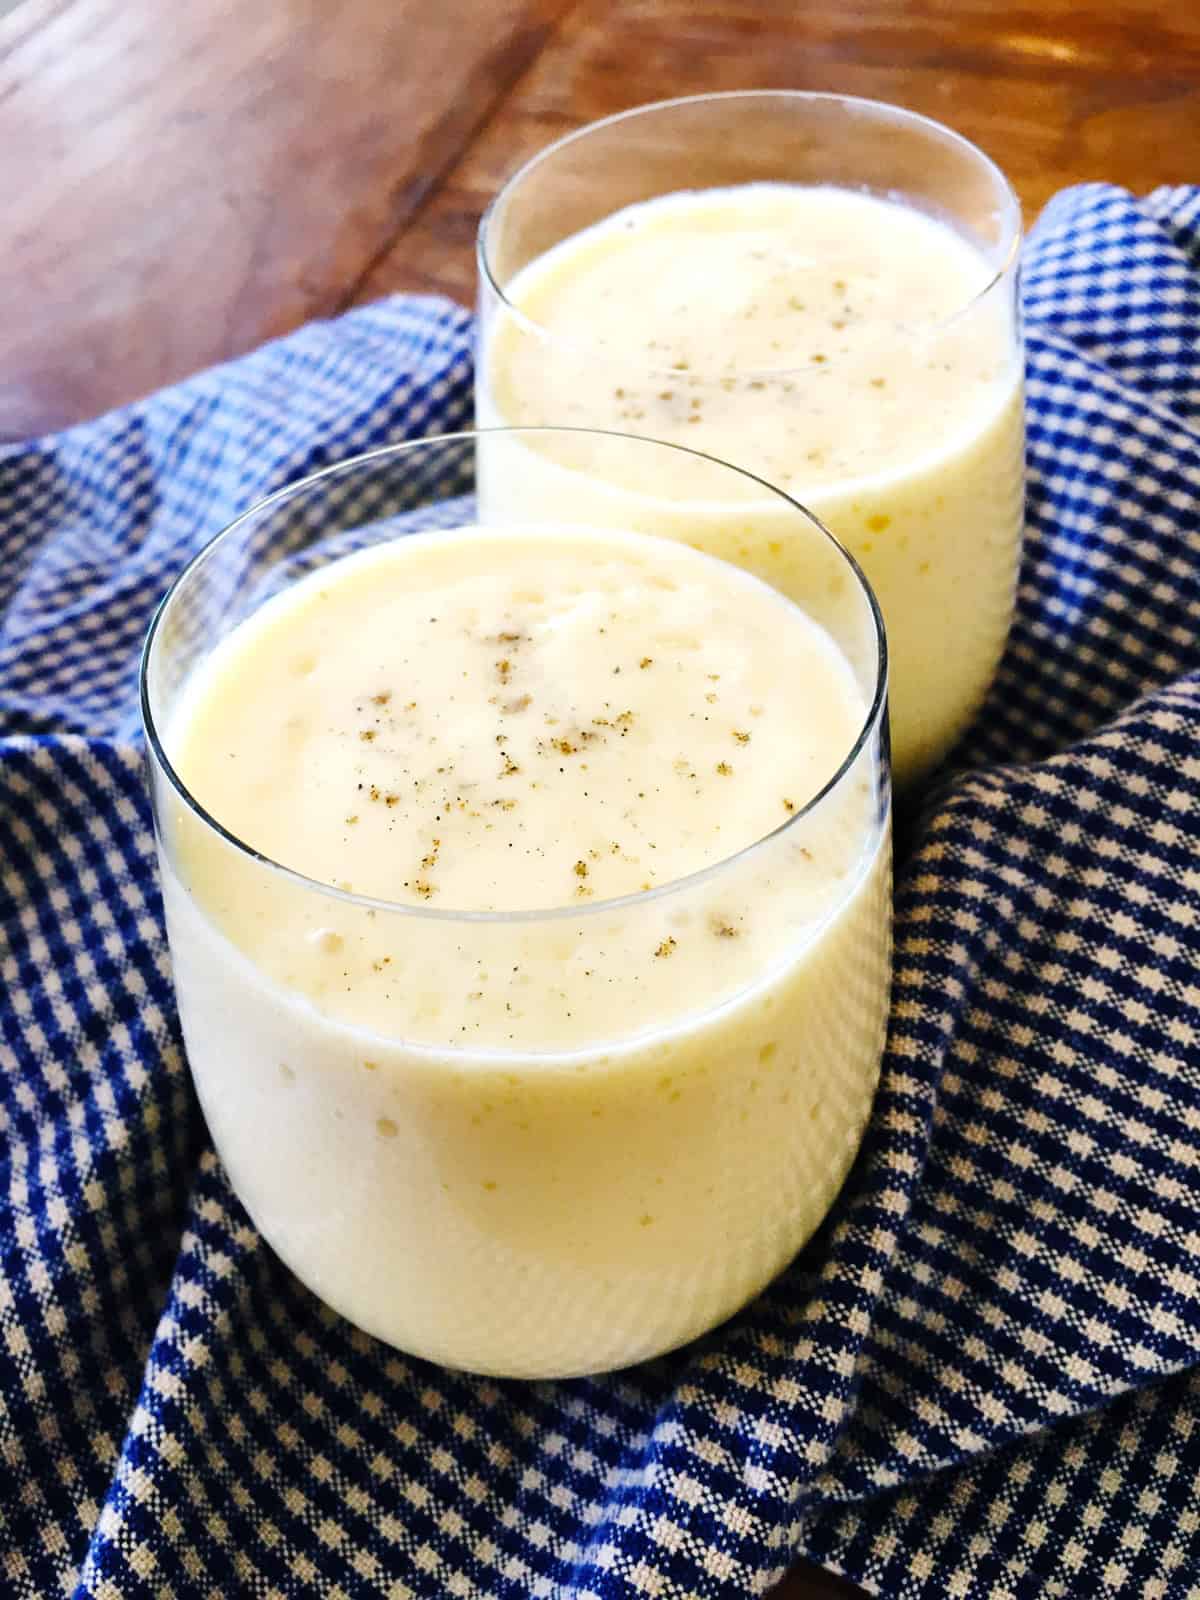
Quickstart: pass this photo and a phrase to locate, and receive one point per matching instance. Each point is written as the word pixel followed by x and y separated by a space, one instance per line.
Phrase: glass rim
pixel 1012 234
pixel 158 754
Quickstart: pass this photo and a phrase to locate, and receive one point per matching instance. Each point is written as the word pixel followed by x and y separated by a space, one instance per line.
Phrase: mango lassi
pixel 847 348
pixel 535 1011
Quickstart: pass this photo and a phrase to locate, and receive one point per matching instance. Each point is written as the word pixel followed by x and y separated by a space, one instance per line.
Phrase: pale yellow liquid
pixel 800 333
pixel 566 1141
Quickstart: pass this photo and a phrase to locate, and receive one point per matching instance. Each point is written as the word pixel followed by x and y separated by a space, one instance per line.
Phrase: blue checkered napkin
pixel 983 1377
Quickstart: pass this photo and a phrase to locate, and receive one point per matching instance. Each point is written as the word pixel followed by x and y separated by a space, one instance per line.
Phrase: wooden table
pixel 180 182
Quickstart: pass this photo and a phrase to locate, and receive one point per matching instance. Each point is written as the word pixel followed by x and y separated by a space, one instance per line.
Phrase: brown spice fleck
pixel 581 869
pixel 742 738
pixel 352 820
pixel 788 805
pixel 724 769
pixel 723 929
pixel 424 888
pixel 504 668
pixel 381 699
pixel 565 747
pixel 646 661
pixel 367 735
pixel 666 948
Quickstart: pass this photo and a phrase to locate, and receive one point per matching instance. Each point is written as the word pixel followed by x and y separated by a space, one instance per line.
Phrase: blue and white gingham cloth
pixel 982 1379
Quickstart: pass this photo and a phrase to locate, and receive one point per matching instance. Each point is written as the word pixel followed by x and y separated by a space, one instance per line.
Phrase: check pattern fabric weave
pixel 981 1379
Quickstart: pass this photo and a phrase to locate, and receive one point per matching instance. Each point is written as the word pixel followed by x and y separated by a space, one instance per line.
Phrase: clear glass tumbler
pixel 540 1196
pixel 820 289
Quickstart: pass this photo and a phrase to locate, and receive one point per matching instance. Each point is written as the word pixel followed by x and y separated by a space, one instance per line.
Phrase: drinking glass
pixel 904 433
pixel 530 1201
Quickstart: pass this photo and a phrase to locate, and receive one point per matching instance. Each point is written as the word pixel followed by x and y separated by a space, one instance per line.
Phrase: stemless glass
pixel 534 1203
pixel 905 435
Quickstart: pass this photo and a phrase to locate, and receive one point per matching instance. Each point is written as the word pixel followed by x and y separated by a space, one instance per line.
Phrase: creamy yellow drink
pixel 843 347
pixel 573 1048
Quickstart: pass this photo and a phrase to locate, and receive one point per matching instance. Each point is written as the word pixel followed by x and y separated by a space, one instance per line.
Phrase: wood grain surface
pixel 1056 93
pixel 178 183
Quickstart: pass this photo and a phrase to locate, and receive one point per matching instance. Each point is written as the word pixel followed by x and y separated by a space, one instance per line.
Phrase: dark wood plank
pixel 180 182
pixel 1057 92
pixel 806 1582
